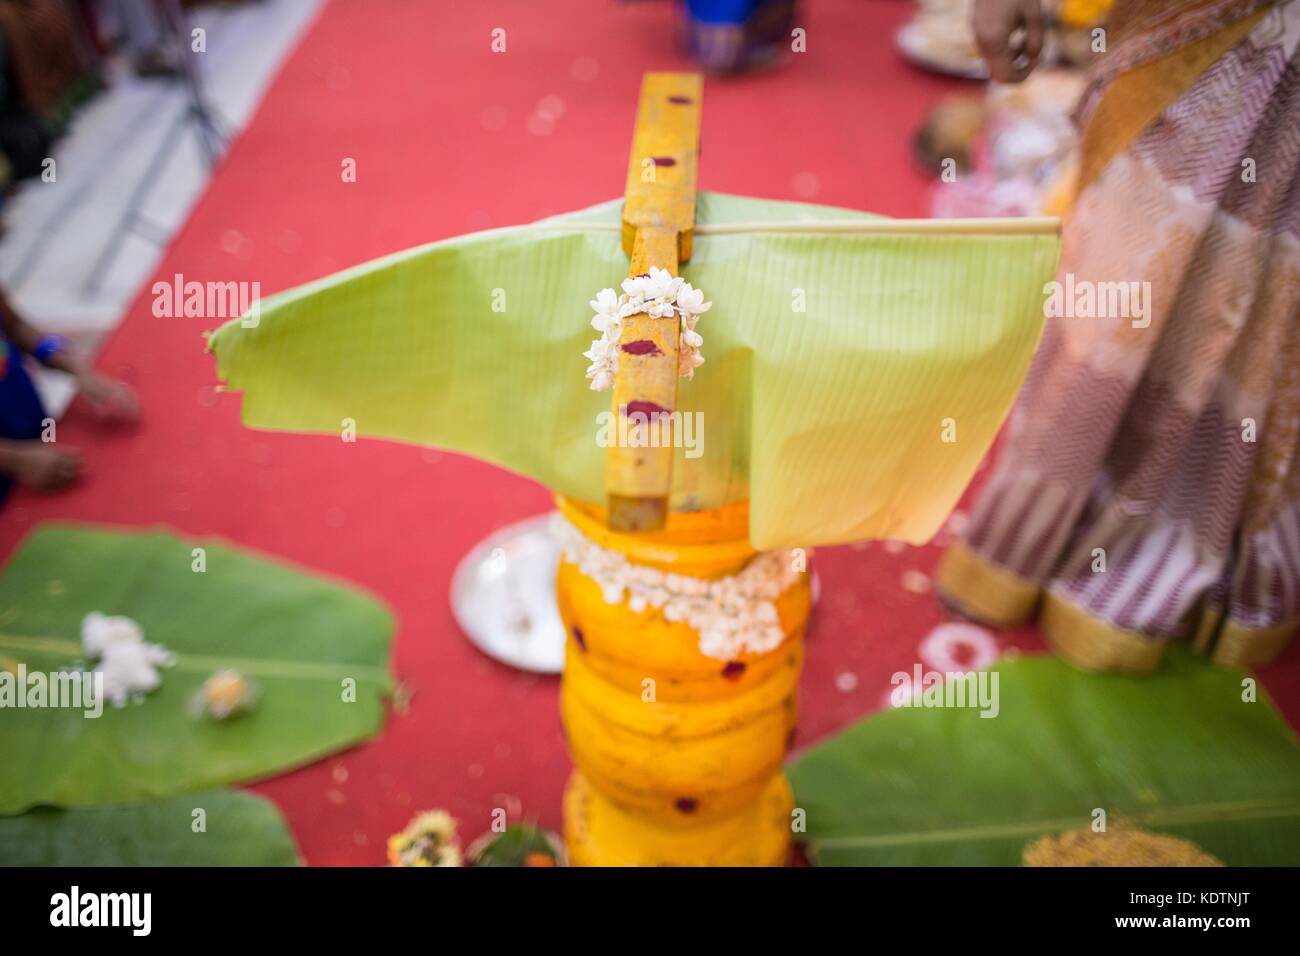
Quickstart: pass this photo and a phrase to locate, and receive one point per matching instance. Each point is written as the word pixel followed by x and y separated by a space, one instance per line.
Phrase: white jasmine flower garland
pixel 658 294
pixel 734 615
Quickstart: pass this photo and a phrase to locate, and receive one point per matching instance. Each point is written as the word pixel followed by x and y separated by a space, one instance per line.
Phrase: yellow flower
pixel 428 840
pixel 1084 13
pixel 225 694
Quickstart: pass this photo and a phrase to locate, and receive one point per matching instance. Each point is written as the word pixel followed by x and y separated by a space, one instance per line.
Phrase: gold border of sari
pixel 983 591
pixel 992 595
pixel 1233 645
pixel 1091 644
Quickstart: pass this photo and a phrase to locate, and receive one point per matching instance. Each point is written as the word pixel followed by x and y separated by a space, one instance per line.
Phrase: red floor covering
pixel 439 128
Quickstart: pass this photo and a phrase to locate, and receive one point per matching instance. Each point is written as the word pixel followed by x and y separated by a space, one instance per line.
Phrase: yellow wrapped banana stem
pixel 678 752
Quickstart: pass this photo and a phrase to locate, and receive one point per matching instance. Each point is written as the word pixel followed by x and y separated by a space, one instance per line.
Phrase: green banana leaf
pixel 234 829
pixel 1177 752
pixel 298 637
pixel 834 361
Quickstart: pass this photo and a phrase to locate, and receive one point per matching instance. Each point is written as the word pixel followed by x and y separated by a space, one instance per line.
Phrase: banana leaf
pixel 238 829
pixel 298 637
pixel 852 382
pixel 1178 752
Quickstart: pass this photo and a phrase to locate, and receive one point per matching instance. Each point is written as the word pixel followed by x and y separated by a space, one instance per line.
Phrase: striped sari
pixel 1148 488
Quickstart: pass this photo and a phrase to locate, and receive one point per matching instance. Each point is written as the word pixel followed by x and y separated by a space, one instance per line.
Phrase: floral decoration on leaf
pixel 428 840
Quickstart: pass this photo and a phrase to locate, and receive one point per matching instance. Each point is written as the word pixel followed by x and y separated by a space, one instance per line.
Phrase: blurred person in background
pixel 1149 485
pixel 27 454
pixel 729 36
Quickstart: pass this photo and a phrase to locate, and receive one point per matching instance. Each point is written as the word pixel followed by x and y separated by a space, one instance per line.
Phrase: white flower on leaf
pixel 128 664
pixel 658 293
pixel 99 631
pixel 132 669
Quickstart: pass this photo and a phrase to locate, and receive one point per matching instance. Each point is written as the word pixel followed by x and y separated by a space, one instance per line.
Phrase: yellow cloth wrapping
pixel 853 380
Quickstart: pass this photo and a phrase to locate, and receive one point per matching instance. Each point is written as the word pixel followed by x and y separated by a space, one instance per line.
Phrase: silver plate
pixel 503 597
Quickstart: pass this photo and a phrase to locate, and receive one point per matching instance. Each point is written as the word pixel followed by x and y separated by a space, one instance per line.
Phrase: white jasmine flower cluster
pixel 128 663
pixel 659 294
pixel 734 615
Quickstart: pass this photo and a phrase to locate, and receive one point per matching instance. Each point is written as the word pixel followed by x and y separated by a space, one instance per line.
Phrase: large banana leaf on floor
pixel 212 828
pixel 853 380
pixel 1192 751
pixel 318 652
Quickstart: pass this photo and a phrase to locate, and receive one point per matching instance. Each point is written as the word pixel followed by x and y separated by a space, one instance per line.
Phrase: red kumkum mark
pixel 641 347
pixel 733 670
pixel 680 100
pixel 664 161
pixel 578 638
pixel 649 409
pixel 686 804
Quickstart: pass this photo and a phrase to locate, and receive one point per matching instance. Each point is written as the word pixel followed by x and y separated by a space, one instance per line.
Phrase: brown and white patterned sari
pixel 1149 486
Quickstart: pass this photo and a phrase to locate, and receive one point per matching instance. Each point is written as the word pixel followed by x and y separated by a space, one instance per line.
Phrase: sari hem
pixel 1231 644
pixel 983 591
pixel 1092 644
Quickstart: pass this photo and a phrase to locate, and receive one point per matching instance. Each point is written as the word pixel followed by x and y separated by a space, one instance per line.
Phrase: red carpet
pixel 439 129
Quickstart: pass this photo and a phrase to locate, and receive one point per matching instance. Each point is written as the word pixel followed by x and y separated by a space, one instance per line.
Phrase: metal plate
pixel 503 597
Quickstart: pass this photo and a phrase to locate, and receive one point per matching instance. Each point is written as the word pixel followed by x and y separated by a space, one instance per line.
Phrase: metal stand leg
pixel 212 142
